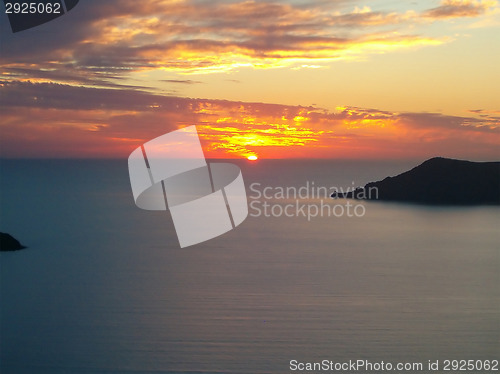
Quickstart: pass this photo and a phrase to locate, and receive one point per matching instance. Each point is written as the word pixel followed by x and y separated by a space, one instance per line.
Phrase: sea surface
pixel 105 288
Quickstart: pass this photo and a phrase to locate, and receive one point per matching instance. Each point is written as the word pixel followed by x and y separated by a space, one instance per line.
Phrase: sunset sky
pixel 277 79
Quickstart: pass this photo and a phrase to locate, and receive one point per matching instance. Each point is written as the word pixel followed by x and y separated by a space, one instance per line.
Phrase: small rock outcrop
pixel 9 243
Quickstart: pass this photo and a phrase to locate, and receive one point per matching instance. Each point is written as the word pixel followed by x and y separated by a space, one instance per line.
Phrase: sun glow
pixel 252 158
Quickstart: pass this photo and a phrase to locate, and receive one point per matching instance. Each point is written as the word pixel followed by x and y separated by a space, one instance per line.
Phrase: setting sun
pixel 252 158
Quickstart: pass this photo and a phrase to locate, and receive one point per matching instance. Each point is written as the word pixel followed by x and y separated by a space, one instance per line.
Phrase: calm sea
pixel 105 288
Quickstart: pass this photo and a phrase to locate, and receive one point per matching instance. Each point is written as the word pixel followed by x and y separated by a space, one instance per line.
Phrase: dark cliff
pixel 438 181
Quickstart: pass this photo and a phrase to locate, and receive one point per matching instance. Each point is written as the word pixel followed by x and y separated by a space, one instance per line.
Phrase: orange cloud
pixel 460 8
pixel 51 120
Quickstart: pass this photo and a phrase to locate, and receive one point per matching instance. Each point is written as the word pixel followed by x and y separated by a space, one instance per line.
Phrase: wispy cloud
pixel 460 8
pixel 181 81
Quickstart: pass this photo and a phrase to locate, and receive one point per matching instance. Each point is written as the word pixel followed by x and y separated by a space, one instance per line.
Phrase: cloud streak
pixel 53 120
pixel 459 9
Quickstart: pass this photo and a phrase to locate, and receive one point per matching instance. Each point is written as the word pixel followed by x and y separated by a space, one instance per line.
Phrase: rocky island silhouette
pixel 437 181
